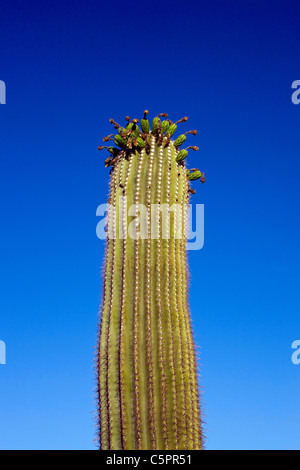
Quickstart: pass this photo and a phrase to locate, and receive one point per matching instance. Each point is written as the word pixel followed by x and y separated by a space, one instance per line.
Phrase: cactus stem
pixel 147 393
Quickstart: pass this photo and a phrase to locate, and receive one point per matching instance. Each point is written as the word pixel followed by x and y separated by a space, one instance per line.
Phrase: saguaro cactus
pixel 146 363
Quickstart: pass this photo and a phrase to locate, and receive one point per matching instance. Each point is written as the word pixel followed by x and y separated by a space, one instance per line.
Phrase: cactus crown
pixel 131 139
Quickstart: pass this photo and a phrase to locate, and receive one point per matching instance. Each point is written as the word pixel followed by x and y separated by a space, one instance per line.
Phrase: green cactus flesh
pixel 147 382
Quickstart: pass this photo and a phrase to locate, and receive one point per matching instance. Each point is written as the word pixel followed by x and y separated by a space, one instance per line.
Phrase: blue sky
pixel 69 66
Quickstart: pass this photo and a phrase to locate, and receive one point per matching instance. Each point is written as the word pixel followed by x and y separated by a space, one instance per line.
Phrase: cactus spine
pixel 146 364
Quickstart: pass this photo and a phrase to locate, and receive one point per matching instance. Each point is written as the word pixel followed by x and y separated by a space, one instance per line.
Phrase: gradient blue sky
pixel 69 66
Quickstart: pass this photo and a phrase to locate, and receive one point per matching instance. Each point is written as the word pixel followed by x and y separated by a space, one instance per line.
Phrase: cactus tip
pixel 107 138
pixel 191 132
pixel 184 119
pixel 116 125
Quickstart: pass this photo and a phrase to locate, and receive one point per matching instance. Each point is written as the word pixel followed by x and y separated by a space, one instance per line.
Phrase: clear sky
pixel 228 65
